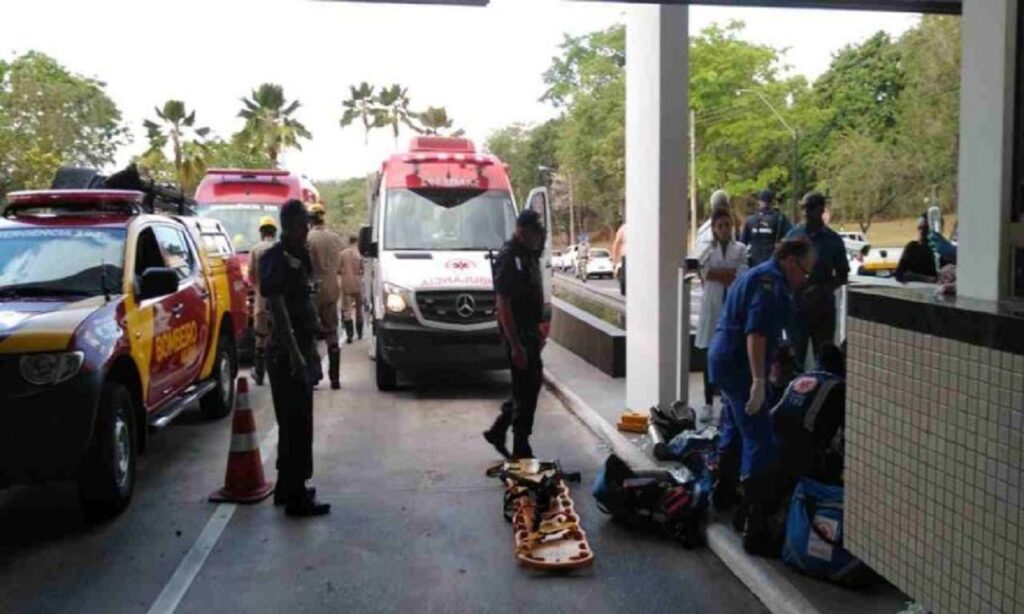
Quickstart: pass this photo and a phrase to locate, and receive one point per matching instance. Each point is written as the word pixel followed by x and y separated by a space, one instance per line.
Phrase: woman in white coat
pixel 721 263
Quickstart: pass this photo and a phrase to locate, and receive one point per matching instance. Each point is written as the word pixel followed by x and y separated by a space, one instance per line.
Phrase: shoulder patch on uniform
pixel 767 283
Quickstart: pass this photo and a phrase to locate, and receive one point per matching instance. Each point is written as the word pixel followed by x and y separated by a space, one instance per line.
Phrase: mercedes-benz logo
pixel 465 305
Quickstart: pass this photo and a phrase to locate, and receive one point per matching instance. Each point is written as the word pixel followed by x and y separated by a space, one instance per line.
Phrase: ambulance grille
pixel 456 306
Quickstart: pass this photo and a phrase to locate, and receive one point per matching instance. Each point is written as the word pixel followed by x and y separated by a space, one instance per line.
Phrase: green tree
pixel 392 109
pixel 587 83
pixel 361 105
pixel 864 177
pixel 435 121
pixel 175 125
pixel 235 153
pixel 346 203
pixel 862 88
pixel 51 117
pixel 928 111
pixel 269 122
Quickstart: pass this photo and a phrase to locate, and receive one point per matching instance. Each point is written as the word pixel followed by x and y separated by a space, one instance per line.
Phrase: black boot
pixel 349 330
pixel 521 446
pixel 497 434
pixel 334 367
pixel 762 537
pixel 306 504
pixel 359 327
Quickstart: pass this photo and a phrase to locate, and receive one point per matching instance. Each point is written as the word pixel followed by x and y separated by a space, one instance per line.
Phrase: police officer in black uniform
pixel 765 229
pixel 520 305
pixel 293 363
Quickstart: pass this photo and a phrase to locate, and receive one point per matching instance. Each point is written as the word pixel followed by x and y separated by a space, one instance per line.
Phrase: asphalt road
pixel 415 527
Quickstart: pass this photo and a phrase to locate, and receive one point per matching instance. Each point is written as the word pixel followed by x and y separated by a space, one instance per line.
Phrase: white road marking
pixel 176 588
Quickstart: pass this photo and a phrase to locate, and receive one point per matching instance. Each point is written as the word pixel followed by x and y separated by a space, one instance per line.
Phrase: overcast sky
pixel 483 64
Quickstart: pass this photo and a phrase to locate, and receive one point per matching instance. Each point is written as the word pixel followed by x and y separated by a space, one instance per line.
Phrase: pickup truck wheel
pixel 107 477
pixel 387 377
pixel 219 402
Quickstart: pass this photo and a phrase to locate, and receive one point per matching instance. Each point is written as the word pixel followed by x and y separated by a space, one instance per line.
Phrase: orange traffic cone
pixel 243 481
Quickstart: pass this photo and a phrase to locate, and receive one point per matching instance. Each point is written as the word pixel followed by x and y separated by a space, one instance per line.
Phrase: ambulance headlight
pixel 49 369
pixel 396 299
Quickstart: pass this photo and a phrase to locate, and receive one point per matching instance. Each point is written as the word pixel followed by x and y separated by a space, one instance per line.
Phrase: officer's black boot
pixel 497 434
pixel 521 446
pixel 334 367
pixel 349 330
pixel 359 327
pixel 762 537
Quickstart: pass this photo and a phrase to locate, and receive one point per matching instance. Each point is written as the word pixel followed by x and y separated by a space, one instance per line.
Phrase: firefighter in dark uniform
pixel 520 304
pixel 293 364
pixel 765 229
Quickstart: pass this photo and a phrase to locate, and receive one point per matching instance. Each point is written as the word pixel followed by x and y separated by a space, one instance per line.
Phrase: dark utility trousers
pixel 293 408
pixel 526 385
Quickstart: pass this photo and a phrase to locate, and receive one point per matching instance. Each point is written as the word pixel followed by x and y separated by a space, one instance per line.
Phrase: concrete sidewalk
pixel 598 400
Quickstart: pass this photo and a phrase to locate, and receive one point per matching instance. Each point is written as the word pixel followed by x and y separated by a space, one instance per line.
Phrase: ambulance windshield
pixel 447 220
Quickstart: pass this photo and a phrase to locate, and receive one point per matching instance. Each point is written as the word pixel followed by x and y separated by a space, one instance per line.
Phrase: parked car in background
pixel 556 260
pixel 600 264
pixel 568 261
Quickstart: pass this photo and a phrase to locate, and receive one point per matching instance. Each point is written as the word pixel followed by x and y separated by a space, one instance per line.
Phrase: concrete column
pixel 656 209
pixel 986 147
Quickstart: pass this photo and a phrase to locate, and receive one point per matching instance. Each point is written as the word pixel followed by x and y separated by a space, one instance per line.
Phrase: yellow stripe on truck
pixel 139 322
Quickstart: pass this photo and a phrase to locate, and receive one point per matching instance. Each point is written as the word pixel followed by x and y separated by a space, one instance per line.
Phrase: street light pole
pixel 796 146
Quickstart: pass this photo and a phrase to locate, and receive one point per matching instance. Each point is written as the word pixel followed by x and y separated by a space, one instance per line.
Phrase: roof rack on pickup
pixel 156 197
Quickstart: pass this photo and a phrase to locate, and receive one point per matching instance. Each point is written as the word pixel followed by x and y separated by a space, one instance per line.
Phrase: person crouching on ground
pixel 722 262
pixel 758 306
pixel 520 303
pixel 286 281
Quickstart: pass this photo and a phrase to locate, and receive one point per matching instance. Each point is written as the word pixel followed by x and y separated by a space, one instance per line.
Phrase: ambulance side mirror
pixel 157 282
pixel 367 246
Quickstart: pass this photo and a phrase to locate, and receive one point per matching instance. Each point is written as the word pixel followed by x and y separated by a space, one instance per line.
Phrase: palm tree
pixel 393 110
pixel 435 121
pixel 269 125
pixel 361 104
pixel 176 125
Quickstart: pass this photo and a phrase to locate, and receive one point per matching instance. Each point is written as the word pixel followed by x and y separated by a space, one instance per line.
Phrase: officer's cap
pixel 267 222
pixel 530 220
pixel 766 196
pixel 317 209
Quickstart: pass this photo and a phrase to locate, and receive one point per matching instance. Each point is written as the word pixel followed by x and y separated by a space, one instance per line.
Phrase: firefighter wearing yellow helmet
pixel 325 254
pixel 268 234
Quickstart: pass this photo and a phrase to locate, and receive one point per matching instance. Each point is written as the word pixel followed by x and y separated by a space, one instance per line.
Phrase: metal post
pixel 693 180
pixel 572 211
pixel 796 174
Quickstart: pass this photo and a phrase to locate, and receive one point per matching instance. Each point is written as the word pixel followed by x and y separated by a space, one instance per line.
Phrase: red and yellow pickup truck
pixel 112 320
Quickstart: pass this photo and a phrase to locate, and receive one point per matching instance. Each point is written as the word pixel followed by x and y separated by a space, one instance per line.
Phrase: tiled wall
pixel 934 471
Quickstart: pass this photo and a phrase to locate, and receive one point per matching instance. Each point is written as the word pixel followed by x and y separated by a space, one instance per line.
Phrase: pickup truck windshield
pixel 61 261
pixel 242 221
pixel 447 220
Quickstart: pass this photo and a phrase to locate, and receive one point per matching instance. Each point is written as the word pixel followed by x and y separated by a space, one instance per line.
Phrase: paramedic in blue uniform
pixel 286 283
pixel 815 318
pixel 765 229
pixel 757 310
pixel 519 291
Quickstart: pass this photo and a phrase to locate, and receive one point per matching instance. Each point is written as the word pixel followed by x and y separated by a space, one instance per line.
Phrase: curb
pixel 766 583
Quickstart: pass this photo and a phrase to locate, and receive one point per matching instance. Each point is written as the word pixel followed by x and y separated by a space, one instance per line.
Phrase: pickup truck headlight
pixel 396 299
pixel 49 369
